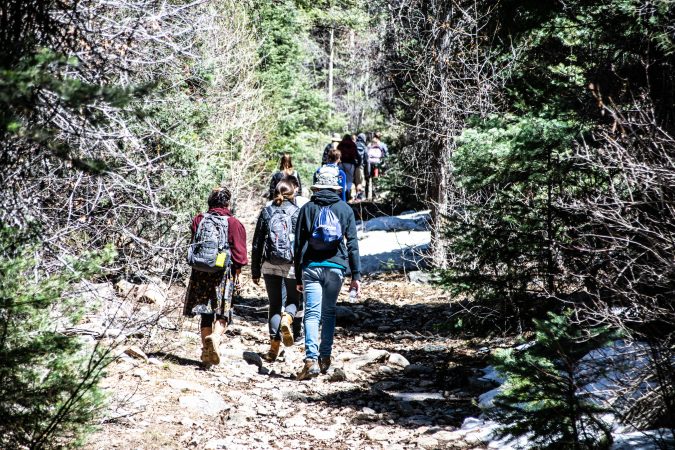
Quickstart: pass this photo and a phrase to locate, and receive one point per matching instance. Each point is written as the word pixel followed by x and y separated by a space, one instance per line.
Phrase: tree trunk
pixel 331 44
pixel 439 209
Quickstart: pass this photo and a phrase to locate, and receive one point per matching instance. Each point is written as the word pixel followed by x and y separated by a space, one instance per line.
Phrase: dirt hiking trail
pixel 398 381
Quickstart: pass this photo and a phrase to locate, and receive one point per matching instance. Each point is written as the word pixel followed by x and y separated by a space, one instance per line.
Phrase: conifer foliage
pixel 543 395
pixel 48 393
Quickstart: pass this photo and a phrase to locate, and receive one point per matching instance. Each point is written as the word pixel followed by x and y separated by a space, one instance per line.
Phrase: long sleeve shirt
pixel 236 235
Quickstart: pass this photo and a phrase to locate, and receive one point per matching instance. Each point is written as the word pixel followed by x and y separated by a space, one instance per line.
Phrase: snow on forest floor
pixel 399 381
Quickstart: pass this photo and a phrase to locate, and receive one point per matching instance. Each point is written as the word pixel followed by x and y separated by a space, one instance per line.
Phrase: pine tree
pixel 48 380
pixel 541 397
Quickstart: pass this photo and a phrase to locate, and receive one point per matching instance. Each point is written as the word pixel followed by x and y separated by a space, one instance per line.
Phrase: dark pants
pixel 208 319
pixel 282 293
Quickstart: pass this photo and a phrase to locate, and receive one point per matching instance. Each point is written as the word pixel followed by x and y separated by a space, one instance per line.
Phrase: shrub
pixel 48 380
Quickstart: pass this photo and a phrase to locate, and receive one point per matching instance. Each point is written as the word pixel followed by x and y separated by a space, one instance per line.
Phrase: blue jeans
pixel 322 287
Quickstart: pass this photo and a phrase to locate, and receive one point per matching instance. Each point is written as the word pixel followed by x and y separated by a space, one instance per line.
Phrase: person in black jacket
pixel 279 276
pixel 285 169
pixel 320 273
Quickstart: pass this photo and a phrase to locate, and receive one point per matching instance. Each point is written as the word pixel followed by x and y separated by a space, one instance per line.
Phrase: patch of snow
pixel 415 221
pixel 472 423
pixel 612 369
pixel 644 440
pixel 490 373
pixel 487 399
pixel 524 346
pixel 382 251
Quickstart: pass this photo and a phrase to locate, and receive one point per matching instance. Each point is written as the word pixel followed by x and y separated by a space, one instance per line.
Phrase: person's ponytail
pixel 284 191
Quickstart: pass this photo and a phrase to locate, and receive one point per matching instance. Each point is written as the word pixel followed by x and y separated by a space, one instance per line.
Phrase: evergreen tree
pixel 541 397
pixel 48 380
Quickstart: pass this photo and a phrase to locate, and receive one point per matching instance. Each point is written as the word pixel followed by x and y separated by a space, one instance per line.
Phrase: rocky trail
pixel 399 380
pixel 402 377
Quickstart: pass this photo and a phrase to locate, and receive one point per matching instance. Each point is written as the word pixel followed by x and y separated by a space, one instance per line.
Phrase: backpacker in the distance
pixel 279 242
pixel 209 249
pixel 326 231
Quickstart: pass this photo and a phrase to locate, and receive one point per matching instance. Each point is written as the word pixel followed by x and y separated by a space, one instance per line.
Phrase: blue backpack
pixel 327 231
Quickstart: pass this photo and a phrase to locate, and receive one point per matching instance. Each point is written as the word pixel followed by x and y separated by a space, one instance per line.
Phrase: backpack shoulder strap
pixel 224 229
pixel 201 223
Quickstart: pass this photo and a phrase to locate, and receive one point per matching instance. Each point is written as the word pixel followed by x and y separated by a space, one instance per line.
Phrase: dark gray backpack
pixel 209 249
pixel 279 243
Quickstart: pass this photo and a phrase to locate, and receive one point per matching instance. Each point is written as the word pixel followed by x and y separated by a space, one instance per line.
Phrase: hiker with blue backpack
pixel 332 166
pixel 321 258
pixel 272 258
pixel 216 253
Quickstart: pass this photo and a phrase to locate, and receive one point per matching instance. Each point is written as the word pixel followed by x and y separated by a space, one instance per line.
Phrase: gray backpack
pixel 279 243
pixel 209 249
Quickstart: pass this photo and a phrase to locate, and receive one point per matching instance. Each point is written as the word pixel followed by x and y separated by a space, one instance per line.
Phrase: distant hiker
pixel 377 138
pixel 272 257
pixel 377 152
pixel 350 160
pixel 285 169
pixel 300 200
pixel 335 139
pixel 332 167
pixel 321 259
pixel 217 253
pixel 359 176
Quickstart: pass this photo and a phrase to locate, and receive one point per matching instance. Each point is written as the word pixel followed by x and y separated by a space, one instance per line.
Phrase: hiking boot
pixel 309 370
pixel 211 347
pixel 206 357
pixel 286 329
pixel 324 363
pixel 273 352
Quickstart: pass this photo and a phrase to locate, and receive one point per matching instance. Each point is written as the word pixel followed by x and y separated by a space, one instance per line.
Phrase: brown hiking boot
pixel 309 370
pixel 273 352
pixel 324 363
pixel 211 347
pixel 286 329
pixel 206 357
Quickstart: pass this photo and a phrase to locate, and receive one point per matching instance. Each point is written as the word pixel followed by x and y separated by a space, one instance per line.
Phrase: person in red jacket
pixel 350 160
pixel 207 291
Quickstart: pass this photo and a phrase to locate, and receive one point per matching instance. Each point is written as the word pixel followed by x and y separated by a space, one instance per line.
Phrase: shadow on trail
pixel 437 392
pixel 437 389
pixel 180 360
pixel 380 320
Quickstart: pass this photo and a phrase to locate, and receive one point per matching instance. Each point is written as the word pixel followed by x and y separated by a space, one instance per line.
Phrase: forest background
pixel 539 133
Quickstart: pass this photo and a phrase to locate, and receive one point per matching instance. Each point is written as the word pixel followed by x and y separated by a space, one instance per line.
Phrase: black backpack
pixel 209 249
pixel 362 150
pixel 279 242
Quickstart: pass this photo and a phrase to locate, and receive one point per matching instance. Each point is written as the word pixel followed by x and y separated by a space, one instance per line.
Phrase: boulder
pixel 398 360
pixel 378 434
pixel 371 356
pixel 421 277
pixel 136 352
pixel 152 294
pixel 125 288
